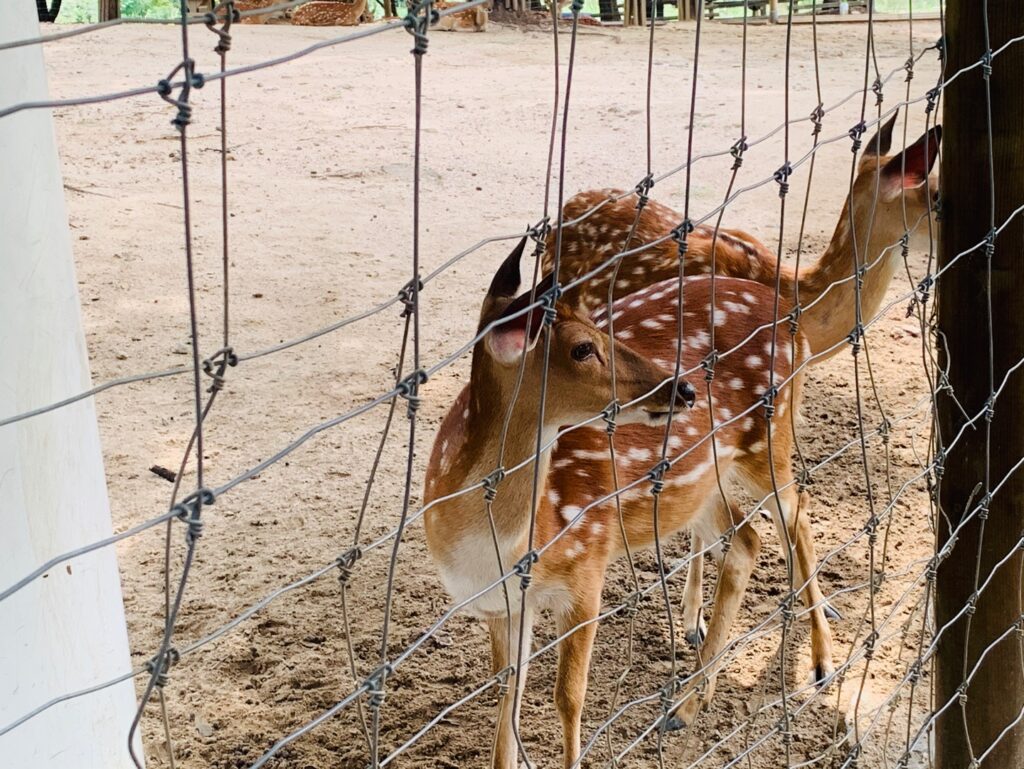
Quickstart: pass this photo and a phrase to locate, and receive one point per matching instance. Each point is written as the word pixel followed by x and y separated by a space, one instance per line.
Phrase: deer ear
pixel 880 143
pixel 504 286
pixel 510 341
pixel 909 170
pixel 507 342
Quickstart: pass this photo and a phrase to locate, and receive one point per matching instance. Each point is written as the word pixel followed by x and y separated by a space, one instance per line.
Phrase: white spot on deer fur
pixel 736 307
pixel 638 455
pixel 624 334
pixel 560 464
pixel 721 319
pixel 768 349
pixel 747 424
pixel 553 497
pixel 465 414
pixel 663 363
pixel 700 338
pixel 597 528
pixel 754 361
pixel 694 475
pixel 622 283
pixel 675 442
pixel 736 383
pixel 691 431
pixel 748 297
pixel 757 447
pixel 635 303
pixel 666 317
pixel 638 271
pixel 574 550
pixel 650 323
pixel 724 415
pixel 569 512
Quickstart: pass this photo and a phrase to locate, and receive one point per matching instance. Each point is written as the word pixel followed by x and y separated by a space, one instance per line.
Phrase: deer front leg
pixel 573 669
pixel 735 568
pixel 693 594
pixel 504 653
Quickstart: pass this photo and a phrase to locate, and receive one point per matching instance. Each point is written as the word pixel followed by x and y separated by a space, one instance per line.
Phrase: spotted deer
pixel 890 196
pixel 331 13
pixel 578 532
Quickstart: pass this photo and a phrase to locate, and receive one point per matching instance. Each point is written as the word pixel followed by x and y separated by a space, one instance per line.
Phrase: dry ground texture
pixel 321 169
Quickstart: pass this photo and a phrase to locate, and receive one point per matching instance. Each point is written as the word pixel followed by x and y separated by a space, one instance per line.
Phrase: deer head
pixel 901 179
pixel 579 360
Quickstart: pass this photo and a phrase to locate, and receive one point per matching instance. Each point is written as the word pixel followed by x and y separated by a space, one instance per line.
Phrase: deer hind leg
pixel 695 628
pixel 573 669
pixel 505 750
pixel 735 567
pixel 792 521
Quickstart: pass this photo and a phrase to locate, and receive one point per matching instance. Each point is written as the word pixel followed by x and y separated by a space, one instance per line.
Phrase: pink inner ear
pixel 910 169
pixel 506 344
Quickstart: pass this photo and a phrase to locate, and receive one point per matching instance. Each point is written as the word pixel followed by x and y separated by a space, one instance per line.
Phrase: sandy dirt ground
pixel 320 193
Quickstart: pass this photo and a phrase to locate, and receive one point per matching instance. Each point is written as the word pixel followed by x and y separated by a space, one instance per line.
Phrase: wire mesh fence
pixel 717 332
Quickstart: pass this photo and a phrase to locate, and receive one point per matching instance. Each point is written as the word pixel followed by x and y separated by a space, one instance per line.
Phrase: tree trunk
pixel 970 726
pixel 110 9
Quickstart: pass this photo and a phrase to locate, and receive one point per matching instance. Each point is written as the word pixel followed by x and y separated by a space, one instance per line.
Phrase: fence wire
pixel 896 617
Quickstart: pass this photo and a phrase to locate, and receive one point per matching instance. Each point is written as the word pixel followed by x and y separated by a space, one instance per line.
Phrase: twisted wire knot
pixel 491 483
pixel 420 16
pixel 794 319
pixel 932 97
pixel 708 364
pixel 408 296
pixel 231 15
pixel 346 561
pixel 375 685
pixel 679 235
pixel 409 389
pixel 737 151
pixel 817 115
pixel 768 400
pixel 523 569
pixel 856 133
pixel 643 191
pixel 189 512
pixel 160 666
pixel 610 414
pixel 223 358
pixel 657 476
pixel 909 67
pixel 782 178
pixel 876 89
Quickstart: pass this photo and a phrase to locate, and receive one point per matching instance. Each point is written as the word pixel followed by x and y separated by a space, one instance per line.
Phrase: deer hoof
pixel 832 613
pixel 674 724
pixel 696 636
pixel 822 674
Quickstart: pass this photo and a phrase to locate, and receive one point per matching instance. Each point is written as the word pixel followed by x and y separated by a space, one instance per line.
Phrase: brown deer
pixel 892 194
pixel 576 537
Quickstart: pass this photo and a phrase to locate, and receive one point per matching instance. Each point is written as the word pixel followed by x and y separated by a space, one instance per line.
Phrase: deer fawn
pixel 890 196
pixel 568 576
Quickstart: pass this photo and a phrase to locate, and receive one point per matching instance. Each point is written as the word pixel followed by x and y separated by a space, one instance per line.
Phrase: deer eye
pixel 583 351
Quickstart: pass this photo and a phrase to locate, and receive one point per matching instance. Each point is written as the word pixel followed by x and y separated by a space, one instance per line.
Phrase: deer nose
pixel 685 394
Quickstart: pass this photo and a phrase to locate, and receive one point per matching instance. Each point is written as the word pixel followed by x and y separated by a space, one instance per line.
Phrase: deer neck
pixel 865 240
pixel 488 445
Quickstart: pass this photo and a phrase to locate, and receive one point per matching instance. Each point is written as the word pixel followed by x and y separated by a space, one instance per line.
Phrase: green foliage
pixel 85 11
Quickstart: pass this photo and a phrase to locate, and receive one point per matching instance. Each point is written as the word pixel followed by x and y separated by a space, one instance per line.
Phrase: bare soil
pixel 320 169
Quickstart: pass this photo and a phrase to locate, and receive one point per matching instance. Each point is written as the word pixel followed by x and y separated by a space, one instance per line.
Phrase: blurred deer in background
pixel 579 529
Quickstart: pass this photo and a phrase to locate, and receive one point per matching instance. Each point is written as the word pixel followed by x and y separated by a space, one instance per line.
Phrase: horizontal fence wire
pixel 647 714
